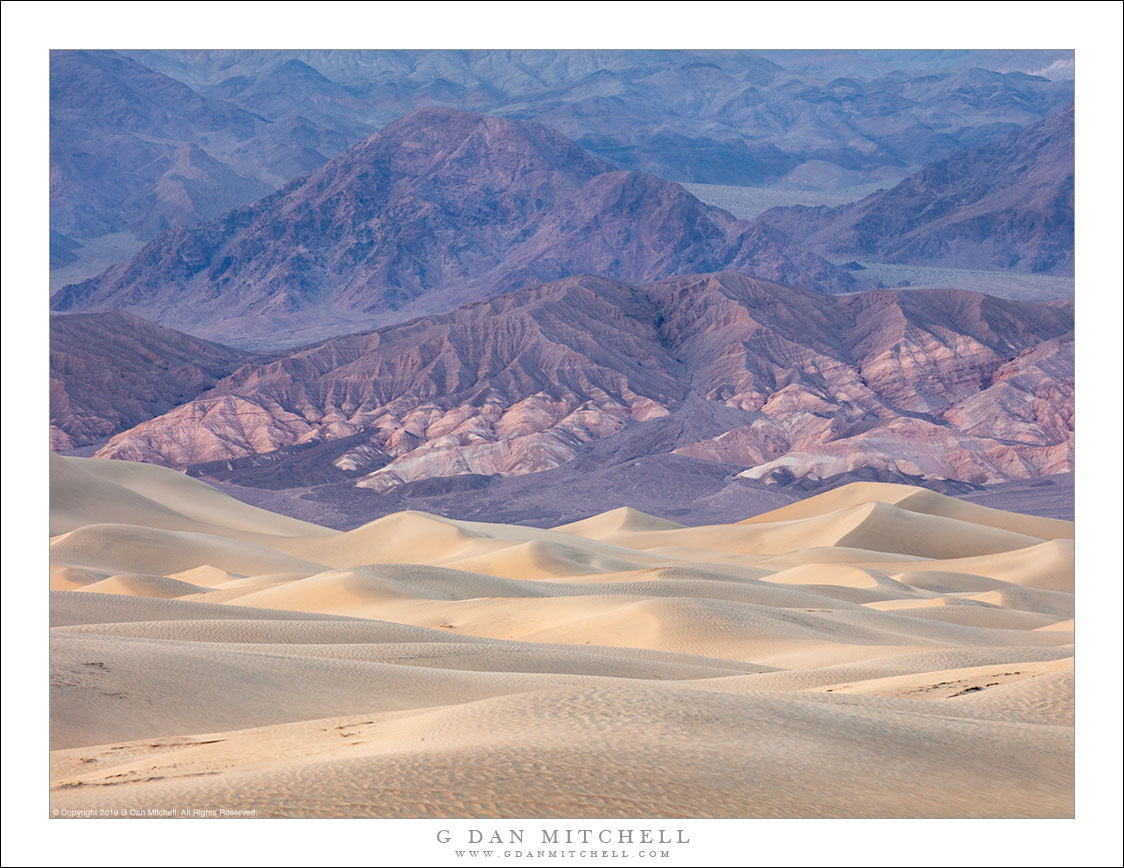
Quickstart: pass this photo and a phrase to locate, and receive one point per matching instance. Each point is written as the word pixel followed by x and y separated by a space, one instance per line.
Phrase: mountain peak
pixel 438 134
pixel 293 68
pixel 438 208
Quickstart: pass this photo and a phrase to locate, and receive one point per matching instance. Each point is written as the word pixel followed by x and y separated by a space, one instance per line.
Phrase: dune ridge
pixel 208 653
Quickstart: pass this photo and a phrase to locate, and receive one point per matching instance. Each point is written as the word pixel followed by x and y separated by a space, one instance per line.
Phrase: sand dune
pixel 954 683
pixel 955 610
pixel 871 526
pixel 73 607
pixel 918 500
pixel 207 575
pixel 1057 604
pixel 140 585
pixel 64 578
pixel 111 483
pixel 618 520
pixel 539 559
pixel 616 750
pixel 1047 566
pixel 205 652
pixel 121 548
pixel 94 491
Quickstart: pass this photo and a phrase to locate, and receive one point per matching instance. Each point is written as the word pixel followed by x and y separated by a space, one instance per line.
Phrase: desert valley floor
pixel 876 651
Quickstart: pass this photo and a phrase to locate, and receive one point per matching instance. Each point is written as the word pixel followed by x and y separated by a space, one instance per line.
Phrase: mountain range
pixel 728 375
pixel 142 140
pixel 456 309
pixel 442 207
pixel 727 117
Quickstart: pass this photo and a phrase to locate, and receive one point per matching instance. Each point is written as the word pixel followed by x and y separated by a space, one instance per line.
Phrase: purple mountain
pixel 1002 206
pixel 439 208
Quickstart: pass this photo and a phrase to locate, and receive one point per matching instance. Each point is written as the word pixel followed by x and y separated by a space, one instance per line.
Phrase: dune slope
pixel 207 653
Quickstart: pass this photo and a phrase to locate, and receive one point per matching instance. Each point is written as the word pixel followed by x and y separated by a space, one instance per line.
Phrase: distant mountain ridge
pixel 127 149
pixel 723 116
pixel 439 208
pixel 1003 206
pixel 263 118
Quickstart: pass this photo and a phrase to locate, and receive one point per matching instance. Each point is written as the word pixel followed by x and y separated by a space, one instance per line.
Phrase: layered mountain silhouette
pixel 724 373
pixel 254 120
pixel 1003 206
pixel 439 208
pixel 721 117
pixel 134 151
pixel 127 149
pixel 415 310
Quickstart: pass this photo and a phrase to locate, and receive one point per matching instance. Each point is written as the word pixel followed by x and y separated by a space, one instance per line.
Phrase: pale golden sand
pixel 876 651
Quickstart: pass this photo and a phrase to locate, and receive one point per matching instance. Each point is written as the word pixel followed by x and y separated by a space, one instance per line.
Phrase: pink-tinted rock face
pixel 111 371
pixel 438 208
pixel 1007 205
pixel 725 368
